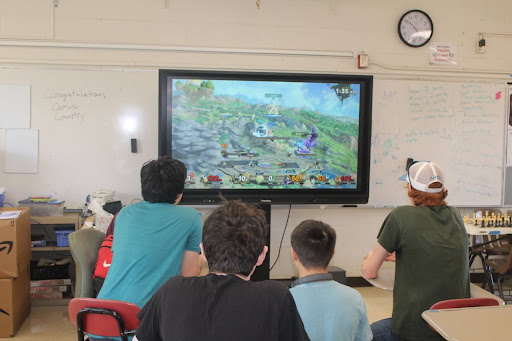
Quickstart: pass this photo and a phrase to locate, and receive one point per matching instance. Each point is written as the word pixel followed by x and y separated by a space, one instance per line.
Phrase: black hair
pixel 234 236
pixel 163 179
pixel 314 243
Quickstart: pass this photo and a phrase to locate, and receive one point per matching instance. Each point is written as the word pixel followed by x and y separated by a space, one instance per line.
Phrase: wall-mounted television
pixel 268 137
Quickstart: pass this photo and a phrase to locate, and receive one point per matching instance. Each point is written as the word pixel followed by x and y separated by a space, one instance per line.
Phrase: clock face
pixel 415 28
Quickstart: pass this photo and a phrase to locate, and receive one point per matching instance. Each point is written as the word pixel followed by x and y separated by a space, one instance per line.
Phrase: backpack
pixel 104 258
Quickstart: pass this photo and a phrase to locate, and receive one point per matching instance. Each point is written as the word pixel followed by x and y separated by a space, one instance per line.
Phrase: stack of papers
pixel 9 214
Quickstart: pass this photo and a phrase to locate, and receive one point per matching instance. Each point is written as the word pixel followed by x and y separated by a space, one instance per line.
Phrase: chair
pixel 84 245
pixel 490 245
pixel 464 303
pixel 107 318
pixel 502 268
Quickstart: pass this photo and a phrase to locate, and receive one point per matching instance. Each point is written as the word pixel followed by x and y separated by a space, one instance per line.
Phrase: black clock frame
pixel 400 33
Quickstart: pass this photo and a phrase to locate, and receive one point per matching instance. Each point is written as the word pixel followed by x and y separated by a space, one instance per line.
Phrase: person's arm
pixel 373 261
pixel 190 264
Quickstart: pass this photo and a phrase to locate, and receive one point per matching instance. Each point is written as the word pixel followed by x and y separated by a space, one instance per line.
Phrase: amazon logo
pixel 4 312
pixel 8 247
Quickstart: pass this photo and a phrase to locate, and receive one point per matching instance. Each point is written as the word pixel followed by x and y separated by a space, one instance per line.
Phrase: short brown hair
pixel 234 235
pixel 314 243
pixel 420 198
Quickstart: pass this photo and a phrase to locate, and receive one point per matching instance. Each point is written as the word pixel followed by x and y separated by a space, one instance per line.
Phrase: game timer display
pixel 267 137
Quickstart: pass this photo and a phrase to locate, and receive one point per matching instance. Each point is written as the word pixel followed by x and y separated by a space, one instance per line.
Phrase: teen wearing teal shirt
pixel 154 239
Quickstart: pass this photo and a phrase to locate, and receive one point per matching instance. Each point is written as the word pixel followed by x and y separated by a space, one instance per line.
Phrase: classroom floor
pixel 51 323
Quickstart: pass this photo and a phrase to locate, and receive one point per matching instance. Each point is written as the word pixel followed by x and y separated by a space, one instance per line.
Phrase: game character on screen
pixel 154 239
pixel 225 304
pixel 329 310
pixel 429 243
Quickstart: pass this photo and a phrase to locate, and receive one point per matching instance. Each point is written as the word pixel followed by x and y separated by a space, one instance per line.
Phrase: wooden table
pixel 477 230
pixel 468 324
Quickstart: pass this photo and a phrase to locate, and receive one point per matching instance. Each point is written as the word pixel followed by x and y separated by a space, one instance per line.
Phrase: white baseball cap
pixel 422 174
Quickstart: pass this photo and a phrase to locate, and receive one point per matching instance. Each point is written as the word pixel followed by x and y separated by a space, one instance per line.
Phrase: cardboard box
pixel 50 282
pixel 14 302
pixel 15 246
pixel 59 288
pixel 46 295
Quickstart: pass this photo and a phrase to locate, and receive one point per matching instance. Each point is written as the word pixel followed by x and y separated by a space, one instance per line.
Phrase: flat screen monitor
pixel 268 137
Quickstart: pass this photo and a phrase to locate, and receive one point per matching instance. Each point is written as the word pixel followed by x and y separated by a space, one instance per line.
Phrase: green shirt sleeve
pixel 389 234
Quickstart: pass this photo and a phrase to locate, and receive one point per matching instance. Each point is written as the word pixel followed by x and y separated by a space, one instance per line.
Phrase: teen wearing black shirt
pixel 225 305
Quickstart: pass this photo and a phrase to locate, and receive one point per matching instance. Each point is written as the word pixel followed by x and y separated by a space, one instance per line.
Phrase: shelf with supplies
pixel 46 235
pixel 52 285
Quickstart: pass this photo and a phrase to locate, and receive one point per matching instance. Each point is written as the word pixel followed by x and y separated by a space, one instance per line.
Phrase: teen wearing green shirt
pixel 430 244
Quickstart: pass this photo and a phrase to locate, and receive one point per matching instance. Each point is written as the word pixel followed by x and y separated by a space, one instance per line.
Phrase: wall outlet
pixel 479 47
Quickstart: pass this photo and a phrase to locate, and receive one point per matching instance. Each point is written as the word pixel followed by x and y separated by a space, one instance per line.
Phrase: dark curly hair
pixel 163 179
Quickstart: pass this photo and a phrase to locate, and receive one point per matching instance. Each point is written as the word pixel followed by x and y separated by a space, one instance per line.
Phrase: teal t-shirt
pixel 332 311
pixel 149 243
pixel 431 247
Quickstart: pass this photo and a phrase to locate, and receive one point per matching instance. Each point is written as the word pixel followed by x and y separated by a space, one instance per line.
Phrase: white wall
pixel 63 32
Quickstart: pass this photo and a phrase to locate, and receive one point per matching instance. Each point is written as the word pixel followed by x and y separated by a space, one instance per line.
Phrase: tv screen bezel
pixel 358 195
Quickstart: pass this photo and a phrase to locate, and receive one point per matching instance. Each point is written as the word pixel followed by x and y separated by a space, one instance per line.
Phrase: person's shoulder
pixel 175 283
pixel 348 291
pixel 130 207
pixel 186 211
pixel 406 209
pixel 271 286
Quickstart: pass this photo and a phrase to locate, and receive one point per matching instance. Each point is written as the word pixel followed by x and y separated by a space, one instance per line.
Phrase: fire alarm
pixel 362 61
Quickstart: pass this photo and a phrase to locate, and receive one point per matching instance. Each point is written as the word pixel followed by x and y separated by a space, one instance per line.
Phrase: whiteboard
pixel 14 106
pixel 21 150
pixel 460 126
pixel 86 119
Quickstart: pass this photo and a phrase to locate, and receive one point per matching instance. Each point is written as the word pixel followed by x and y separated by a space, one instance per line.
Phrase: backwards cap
pixel 422 174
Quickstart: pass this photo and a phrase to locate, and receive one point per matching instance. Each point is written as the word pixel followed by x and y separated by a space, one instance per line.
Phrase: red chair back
pixel 465 303
pixel 101 317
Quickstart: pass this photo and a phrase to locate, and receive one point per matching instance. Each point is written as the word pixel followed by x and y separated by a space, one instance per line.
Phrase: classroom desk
pixel 386 280
pixel 468 324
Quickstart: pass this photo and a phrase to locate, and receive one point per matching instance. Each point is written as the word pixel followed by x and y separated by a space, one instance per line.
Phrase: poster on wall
pixel 443 53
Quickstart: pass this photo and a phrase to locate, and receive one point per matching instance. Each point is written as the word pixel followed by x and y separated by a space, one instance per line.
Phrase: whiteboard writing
pixel 460 126
pixel 75 104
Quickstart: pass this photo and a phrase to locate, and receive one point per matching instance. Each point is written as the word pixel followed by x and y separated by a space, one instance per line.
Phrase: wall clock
pixel 415 28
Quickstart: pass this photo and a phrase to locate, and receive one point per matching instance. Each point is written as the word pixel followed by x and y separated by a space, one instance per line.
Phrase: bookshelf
pixel 72 220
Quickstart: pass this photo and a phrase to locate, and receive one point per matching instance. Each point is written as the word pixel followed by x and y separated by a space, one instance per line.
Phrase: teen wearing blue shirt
pixel 330 310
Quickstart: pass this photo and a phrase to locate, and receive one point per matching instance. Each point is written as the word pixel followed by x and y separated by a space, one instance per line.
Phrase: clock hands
pixel 412 25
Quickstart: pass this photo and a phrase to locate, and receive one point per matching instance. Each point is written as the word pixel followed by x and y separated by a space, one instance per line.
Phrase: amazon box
pixel 15 247
pixel 14 302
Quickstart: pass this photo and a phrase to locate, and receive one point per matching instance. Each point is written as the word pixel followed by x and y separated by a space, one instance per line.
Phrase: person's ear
pixel 294 255
pixel 178 198
pixel 202 252
pixel 262 256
